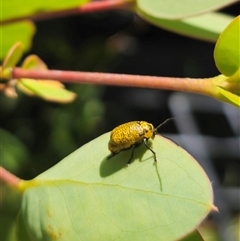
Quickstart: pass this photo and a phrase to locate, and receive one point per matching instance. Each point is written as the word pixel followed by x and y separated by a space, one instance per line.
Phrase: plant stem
pixel 9 178
pixel 90 7
pixel 200 86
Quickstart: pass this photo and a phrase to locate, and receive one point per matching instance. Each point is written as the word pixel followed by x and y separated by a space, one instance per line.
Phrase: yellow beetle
pixel 131 135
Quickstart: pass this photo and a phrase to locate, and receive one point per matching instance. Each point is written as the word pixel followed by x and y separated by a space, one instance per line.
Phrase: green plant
pixel 224 87
pixel 86 196
pixel 82 193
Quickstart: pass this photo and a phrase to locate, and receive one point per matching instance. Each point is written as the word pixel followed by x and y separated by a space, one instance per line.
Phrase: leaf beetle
pixel 131 135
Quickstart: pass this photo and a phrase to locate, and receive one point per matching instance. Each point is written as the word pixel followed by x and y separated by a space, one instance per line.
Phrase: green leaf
pixel 15 9
pixel 13 152
pixel 19 232
pixel 194 236
pixel 179 9
pixel 229 97
pixel 226 52
pixel 206 26
pixel 34 62
pixel 87 197
pixel 23 31
pixel 18 32
pixel 49 90
pixel 13 55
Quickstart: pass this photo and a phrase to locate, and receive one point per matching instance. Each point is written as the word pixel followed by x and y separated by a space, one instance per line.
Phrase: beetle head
pixel 148 129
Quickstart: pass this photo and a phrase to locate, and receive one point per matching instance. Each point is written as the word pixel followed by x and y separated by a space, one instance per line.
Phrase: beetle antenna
pixel 163 123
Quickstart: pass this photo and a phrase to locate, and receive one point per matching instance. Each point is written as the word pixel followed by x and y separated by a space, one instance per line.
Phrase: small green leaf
pixel 179 9
pixel 226 53
pixel 50 90
pixel 13 55
pixel 87 197
pixel 229 97
pixel 18 32
pixel 46 89
pixel 33 62
pixel 206 26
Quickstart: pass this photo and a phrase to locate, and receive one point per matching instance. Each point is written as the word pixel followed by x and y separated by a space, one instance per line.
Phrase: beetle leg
pixel 154 154
pixel 128 163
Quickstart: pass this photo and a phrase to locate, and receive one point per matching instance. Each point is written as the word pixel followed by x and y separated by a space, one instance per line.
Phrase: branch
pixel 97 6
pixel 200 86
pixel 9 178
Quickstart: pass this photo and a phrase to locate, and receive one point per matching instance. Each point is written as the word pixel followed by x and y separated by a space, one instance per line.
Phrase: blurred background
pixel 36 134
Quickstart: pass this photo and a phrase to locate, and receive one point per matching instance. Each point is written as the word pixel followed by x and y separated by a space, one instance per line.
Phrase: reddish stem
pixel 200 86
pixel 9 178
pixel 87 8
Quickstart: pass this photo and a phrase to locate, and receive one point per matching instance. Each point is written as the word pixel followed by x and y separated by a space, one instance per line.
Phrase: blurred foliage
pixel 208 26
pixel 21 31
pixel 49 90
pixel 10 202
pixel 14 153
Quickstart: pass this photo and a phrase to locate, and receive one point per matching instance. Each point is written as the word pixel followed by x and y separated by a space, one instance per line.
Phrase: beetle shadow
pixel 120 160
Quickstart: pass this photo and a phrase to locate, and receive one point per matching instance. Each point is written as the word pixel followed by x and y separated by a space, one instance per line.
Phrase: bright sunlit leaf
pixel 87 197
